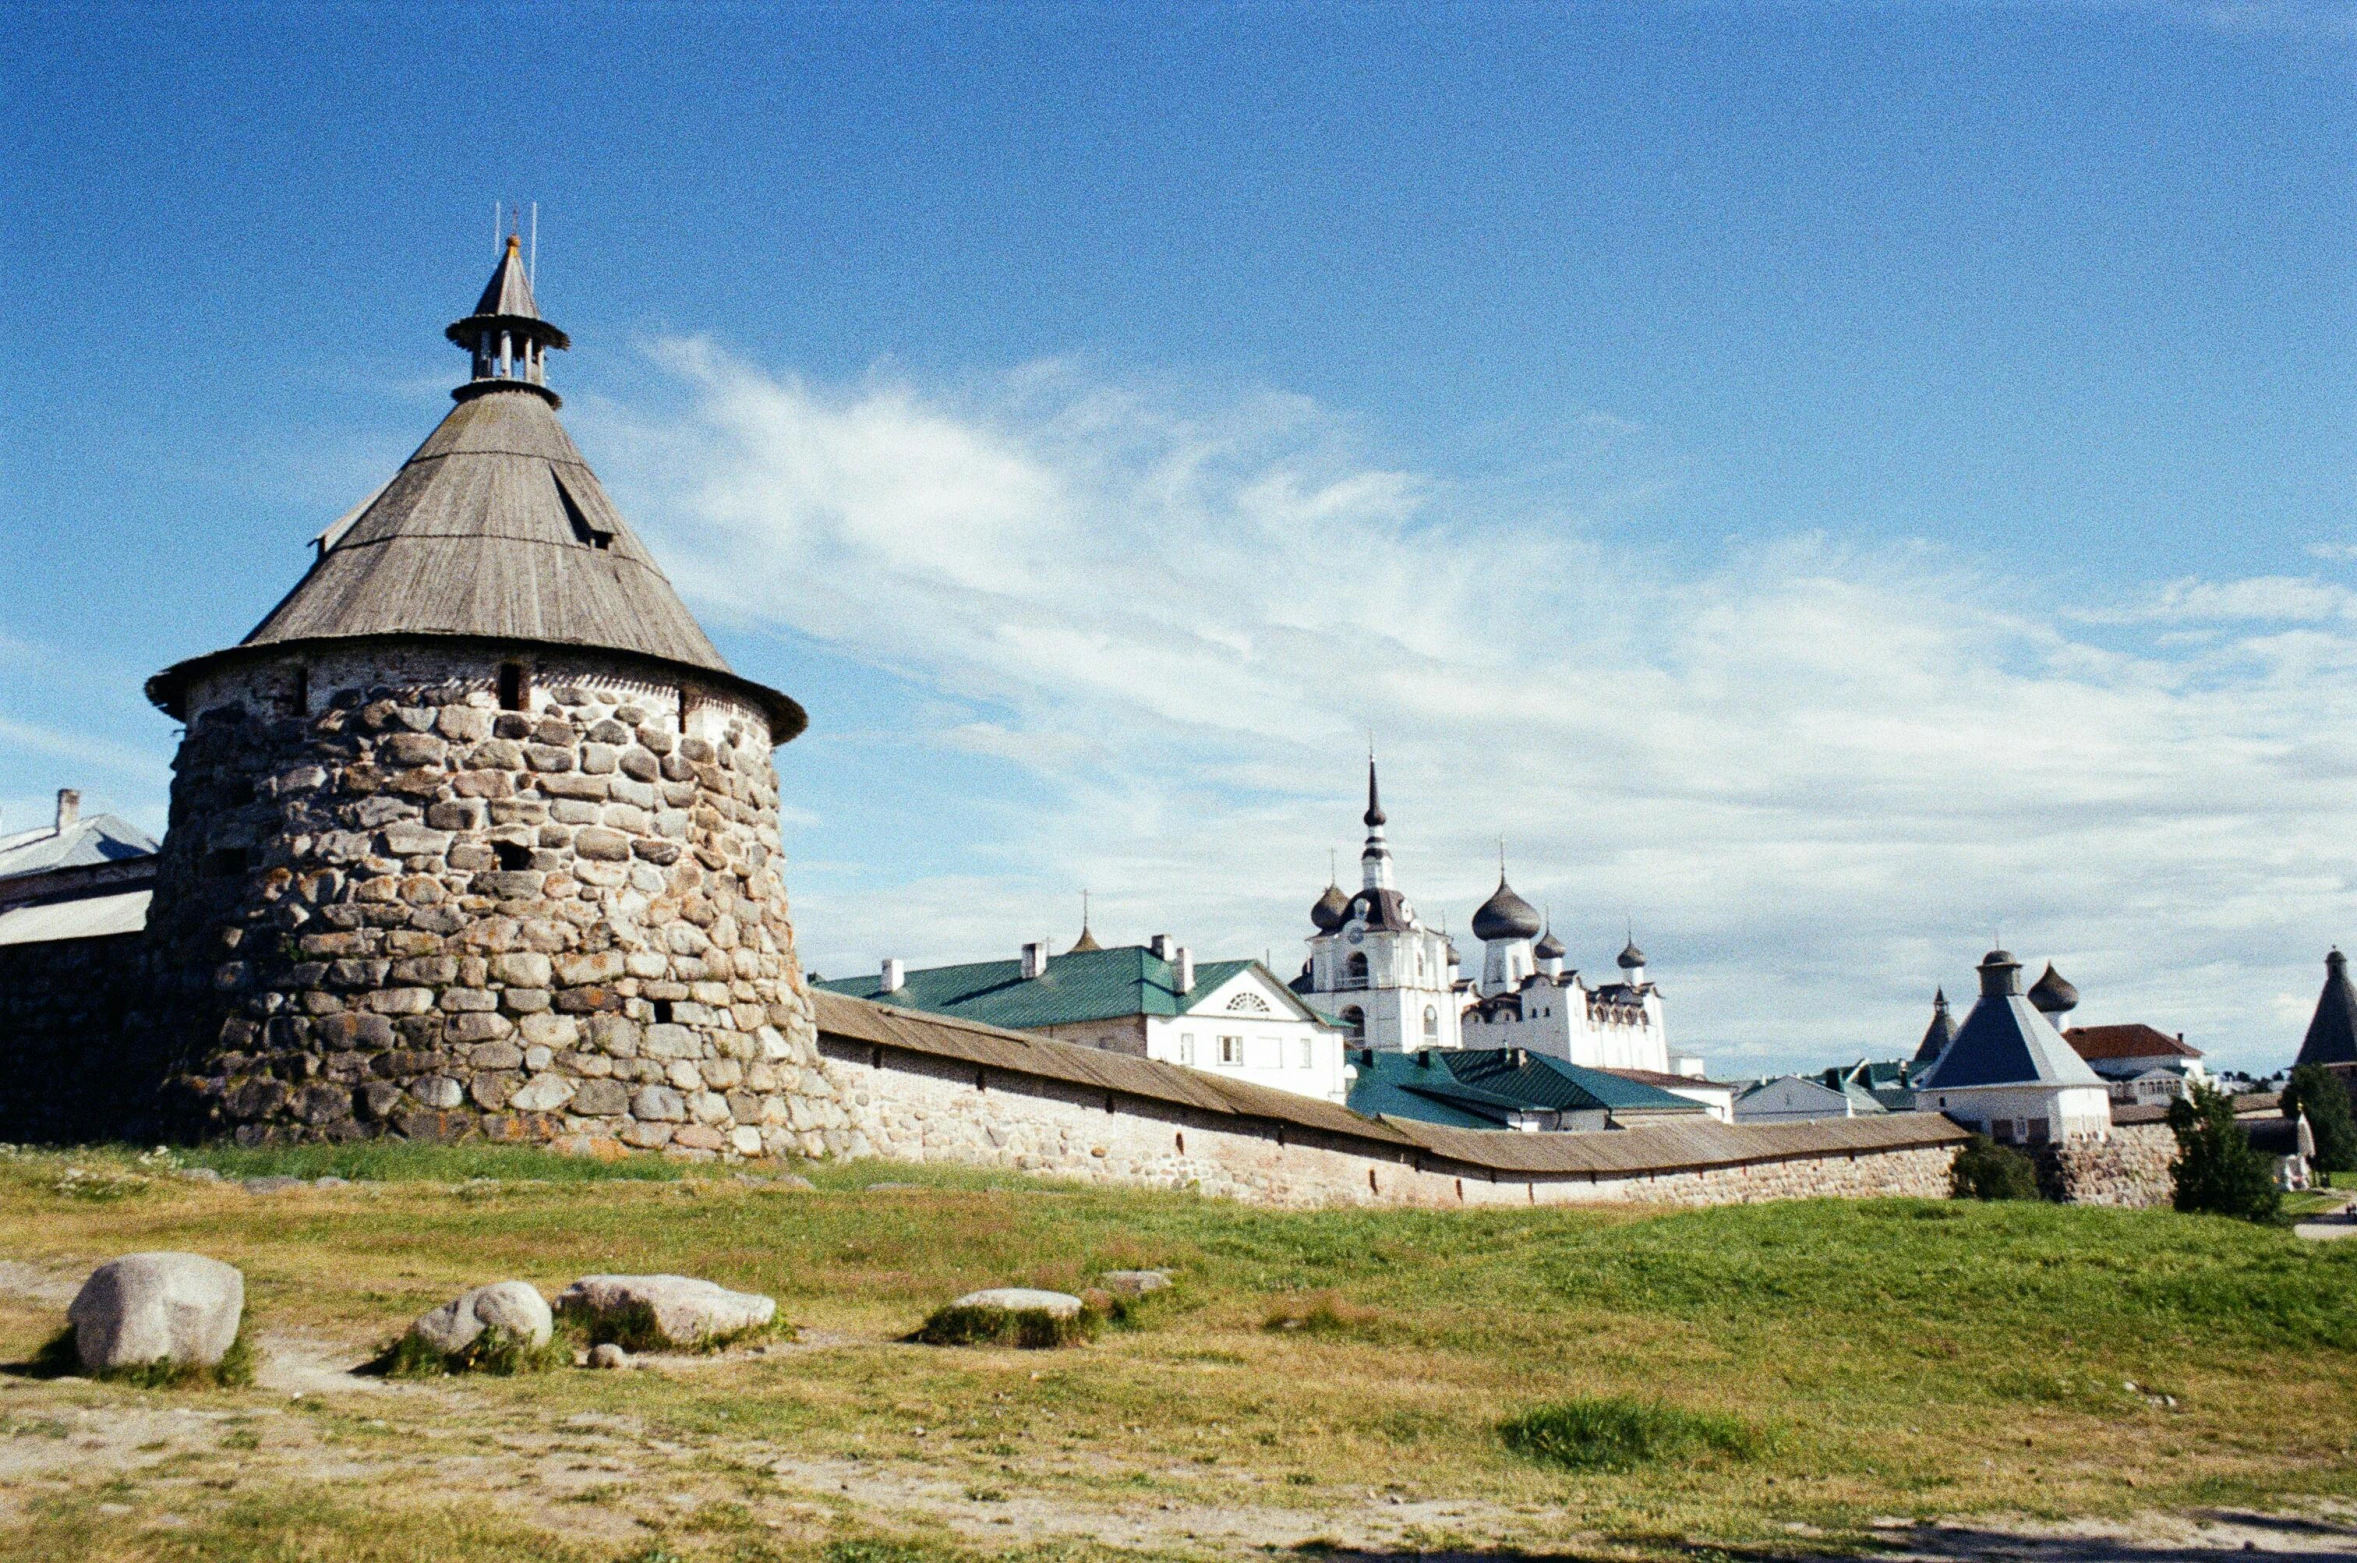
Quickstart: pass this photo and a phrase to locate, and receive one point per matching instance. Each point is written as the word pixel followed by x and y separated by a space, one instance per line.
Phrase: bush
pixel 1618 1434
pixel 1986 1170
pixel 2216 1171
pixel 2324 1097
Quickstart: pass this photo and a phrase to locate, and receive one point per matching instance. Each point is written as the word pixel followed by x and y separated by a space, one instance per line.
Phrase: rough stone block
pixel 658 1104
pixel 660 853
pixel 588 788
pixel 548 757
pixel 490 1088
pixel 463 724
pixel 344 1032
pixel 598 759
pixel 522 969
pixel 599 843
pixel 482 784
pixel 320 1104
pixel 456 814
pixel 600 1098
pixel 670 1041
pixel 524 1001
pixel 509 885
pixel 542 1094
pixel 558 1031
pixel 402 1001
pixel 699 1136
pixel 433 970
pixel 647 1136
pixel 438 1091
pixel 410 749
pixel 614 1035
pixel 479 1027
pixel 157 1307
pixel 462 1000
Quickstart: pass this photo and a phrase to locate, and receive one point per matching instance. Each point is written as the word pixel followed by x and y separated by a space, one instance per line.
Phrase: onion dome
pixel 1505 915
pixel 1631 958
pixel 2052 994
pixel 1549 948
pixel 1332 910
pixel 1085 943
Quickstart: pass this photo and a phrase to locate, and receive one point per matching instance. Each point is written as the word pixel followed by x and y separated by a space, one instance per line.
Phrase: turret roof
pixel 495 529
pixel 2005 1041
pixel 1939 1033
pixel 2332 1031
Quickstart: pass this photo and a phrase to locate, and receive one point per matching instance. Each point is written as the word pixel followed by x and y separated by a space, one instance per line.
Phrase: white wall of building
pixel 1249 1028
pixel 2020 1114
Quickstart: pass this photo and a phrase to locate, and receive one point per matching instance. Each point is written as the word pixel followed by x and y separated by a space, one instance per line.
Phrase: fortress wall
pixel 2129 1170
pixel 912 1107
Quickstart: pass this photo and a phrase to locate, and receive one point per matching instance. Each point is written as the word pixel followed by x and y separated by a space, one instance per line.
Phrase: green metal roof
pixel 1451 1086
pixel 1079 986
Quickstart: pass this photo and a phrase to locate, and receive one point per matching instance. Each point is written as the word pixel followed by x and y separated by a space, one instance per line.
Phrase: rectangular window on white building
pixel 1309 1054
pixel 1186 1047
pixel 1231 1050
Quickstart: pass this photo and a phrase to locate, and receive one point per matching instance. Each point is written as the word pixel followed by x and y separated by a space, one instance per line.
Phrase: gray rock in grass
pixel 513 1306
pixel 155 1307
pixel 1134 1283
pixel 1023 1299
pixel 273 1185
pixel 608 1356
pixel 685 1311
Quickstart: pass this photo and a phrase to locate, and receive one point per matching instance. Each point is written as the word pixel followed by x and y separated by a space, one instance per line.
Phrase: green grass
pixel 1910 1357
pixel 1026 1329
pixel 1620 1434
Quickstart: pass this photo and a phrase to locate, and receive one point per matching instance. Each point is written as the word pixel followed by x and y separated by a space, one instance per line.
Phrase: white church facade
pixel 1394 983
pixel 1374 966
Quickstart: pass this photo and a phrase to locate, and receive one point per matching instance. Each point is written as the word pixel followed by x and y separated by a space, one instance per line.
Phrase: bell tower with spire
pixel 476 833
pixel 1374 967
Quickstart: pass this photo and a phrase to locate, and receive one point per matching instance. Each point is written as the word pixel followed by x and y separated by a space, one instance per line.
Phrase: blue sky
pixel 1824 482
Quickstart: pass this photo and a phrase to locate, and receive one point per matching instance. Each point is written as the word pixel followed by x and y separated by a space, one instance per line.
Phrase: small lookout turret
pixel 505 334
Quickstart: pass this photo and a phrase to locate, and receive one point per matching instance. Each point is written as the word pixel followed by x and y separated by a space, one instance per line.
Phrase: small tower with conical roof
pixel 2009 1074
pixel 1938 1034
pixel 476 833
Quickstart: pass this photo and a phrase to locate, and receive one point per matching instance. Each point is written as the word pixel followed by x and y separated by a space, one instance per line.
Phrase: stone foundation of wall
pixel 2130 1170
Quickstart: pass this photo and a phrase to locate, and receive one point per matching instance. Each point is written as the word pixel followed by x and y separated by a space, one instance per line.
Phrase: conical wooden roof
pixel 494 530
pixel 2332 1030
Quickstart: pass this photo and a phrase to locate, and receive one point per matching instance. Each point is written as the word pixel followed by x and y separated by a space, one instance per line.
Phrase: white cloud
pixel 1817 777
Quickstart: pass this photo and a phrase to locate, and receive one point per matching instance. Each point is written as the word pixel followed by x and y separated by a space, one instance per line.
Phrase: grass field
pixel 1775 1377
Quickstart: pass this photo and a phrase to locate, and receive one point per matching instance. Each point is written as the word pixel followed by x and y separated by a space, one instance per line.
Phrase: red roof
pixel 2134 1041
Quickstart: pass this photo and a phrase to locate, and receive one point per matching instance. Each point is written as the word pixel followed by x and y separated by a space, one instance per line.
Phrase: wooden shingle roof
pixel 494 530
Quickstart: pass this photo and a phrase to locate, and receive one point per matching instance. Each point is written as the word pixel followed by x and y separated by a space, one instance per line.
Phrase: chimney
pixel 1186 969
pixel 69 809
pixel 1035 960
pixel 895 976
pixel 1160 944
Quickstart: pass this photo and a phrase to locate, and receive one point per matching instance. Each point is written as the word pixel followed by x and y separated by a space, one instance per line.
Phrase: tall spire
pixel 505 335
pixel 1375 860
pixel 1087 941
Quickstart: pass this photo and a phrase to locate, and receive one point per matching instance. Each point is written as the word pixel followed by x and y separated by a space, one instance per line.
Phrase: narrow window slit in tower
pixel 298 693
pixel 225 862
pixel 585 532
pixel 511 686
pixel 514 856
pixel 662 1012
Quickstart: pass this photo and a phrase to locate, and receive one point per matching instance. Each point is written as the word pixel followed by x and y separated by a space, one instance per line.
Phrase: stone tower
pixel 477 833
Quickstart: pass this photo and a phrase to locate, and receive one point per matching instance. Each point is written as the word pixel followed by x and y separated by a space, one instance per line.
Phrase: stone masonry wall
pixel 2129 1170
pixel 387 906
pixel 915 1108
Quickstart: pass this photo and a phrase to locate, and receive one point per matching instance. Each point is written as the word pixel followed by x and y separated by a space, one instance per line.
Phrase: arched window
pixel 1354 971
pixel 1356 1019
pixel 1431 1025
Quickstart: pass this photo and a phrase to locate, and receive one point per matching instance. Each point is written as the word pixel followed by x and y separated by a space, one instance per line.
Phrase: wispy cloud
pixel 1820 778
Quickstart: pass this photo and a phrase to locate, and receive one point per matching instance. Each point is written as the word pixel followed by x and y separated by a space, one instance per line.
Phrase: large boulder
pixel 514 1307
pixel 160 1307
pixel 642 1311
